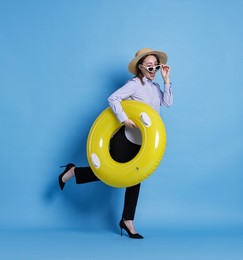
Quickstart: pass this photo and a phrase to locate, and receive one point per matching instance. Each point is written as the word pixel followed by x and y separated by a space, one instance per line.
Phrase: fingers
pixel 165 71
pixel 165 67
pixel 129 123
pixel 132 124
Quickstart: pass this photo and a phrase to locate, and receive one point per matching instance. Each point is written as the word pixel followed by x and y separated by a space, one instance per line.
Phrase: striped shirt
pixel 149 93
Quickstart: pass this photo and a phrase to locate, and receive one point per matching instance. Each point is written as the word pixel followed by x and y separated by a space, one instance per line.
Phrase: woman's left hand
pixel 165 72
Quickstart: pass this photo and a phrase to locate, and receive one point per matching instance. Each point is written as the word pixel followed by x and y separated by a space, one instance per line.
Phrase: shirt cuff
pixel 121 117
pixel 167 87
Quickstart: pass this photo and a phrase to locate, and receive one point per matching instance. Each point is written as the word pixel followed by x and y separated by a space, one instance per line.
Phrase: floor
pixel 159 244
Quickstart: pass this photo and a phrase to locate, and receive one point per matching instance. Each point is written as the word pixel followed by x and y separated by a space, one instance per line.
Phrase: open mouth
pixel 152 74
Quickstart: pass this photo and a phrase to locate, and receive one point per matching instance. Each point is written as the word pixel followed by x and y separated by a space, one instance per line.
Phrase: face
pixel 149 61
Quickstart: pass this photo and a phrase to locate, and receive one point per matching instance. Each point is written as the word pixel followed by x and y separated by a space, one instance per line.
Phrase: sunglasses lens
pixel 151 69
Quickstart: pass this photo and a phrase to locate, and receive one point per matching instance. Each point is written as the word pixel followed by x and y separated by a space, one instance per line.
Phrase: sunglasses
pixel 150 68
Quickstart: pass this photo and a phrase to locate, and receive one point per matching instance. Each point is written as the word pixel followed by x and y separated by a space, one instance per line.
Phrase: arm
pixel 167 95
pixel 115 99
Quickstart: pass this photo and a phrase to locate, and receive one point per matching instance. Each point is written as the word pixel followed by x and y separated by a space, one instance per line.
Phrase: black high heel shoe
pixel 131 235
pixel 68 167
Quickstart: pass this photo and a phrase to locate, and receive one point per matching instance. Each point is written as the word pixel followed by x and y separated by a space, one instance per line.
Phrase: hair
pixel 139 74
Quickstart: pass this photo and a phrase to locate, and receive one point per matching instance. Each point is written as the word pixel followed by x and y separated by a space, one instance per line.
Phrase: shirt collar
pixel 147 80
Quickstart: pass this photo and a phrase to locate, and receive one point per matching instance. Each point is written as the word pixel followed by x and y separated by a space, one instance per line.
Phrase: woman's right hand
pixel 129 123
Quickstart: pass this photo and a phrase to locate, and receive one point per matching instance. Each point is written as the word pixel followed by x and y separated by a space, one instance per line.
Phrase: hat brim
pixel 132 65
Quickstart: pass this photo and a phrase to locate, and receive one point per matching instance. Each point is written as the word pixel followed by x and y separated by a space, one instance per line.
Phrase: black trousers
pixel 121 150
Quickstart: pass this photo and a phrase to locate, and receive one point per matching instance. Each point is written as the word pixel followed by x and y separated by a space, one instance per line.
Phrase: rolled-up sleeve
pixel 115 105
pixel 167 95
pixel 115 99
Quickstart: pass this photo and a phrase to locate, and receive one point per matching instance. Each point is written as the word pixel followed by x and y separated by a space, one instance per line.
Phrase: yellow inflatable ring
pixel 130 173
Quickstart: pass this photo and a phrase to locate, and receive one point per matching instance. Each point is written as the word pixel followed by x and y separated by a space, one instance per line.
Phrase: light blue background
pixel 60 60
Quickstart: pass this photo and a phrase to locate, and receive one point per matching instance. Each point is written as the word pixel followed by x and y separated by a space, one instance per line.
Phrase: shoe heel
pixel 131 235
pixel 68 166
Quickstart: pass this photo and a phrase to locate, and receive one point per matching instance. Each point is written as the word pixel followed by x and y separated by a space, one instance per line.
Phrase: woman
pixel 126 143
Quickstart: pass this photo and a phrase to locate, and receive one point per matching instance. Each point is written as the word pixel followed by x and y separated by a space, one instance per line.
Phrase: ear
pixel 139 68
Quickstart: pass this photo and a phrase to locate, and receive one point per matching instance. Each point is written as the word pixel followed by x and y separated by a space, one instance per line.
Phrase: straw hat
pixel 144 52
